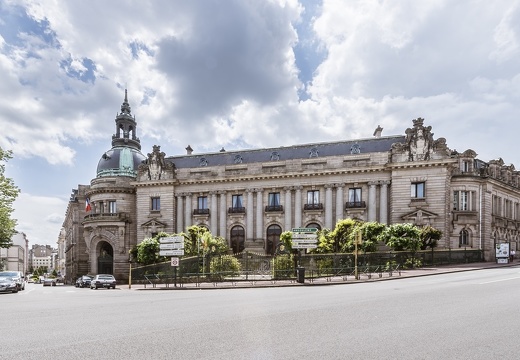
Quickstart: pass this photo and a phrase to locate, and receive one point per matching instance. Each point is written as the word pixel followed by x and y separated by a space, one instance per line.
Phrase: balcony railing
pixel 273 208
pixel 355 204
pixel 313 206
pixel 237 210
pixel 107 216
pixel 201 212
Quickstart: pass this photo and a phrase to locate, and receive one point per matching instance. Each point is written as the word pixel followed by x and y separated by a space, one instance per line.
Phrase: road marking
pixel 494 281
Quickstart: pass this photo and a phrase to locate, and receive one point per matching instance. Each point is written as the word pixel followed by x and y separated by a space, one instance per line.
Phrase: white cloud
pixel 213 74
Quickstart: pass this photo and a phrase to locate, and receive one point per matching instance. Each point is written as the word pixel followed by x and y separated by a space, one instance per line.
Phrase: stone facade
pixel 250 196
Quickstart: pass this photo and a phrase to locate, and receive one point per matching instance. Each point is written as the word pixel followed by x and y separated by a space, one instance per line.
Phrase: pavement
pixel 263 282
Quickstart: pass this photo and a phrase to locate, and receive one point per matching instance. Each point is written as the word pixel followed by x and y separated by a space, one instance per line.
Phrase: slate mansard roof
pixel 305 151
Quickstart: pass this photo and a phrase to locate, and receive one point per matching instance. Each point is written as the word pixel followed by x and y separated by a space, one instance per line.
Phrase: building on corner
pixel 250 197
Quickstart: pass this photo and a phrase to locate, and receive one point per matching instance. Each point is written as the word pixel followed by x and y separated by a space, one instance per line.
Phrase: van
pixel 17 276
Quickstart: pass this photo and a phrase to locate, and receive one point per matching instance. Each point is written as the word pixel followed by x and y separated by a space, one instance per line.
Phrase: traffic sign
pixel 171 252
pixel 175 261
pixel 305 246
pixel 171 246
pixel 304 230
pixel 304 241
pixel 304 236
pixel 171 239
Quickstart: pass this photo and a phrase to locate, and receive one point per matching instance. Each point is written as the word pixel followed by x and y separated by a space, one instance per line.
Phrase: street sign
pixel 304 241
pixel 304 230
pixel 171 239
pixel 175 261
pixel 304 236
pixel 305 246
pixel 171 246
pixel 171 252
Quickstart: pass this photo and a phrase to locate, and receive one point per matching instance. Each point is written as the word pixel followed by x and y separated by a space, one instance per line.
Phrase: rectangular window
pixel 417 190
pixel 461 200
pixel 354 195
pixel 156 204
pixel 112 209
pixel 274 199
pixel 313 197
pixel 236 201
pixel 101 207
pixel 465 166
pixel 202 202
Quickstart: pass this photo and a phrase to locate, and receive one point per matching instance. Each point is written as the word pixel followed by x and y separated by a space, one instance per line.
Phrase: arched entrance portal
pixel 238 238
pixel 273 238
pixel 105 258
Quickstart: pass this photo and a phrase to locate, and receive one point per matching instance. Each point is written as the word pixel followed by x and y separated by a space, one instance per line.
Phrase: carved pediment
pixel 420 217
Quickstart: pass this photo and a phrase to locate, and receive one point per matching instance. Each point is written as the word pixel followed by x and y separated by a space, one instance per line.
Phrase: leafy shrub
pixel 225 265
pixel 283 266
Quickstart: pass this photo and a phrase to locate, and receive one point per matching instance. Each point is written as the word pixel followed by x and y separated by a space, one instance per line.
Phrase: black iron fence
pixel 254 267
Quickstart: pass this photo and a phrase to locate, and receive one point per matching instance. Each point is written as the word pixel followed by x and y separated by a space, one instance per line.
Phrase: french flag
pixel 87 205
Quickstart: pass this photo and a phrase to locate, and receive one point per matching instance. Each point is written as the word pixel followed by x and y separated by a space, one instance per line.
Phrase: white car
pixel 17 276
pixel 103 281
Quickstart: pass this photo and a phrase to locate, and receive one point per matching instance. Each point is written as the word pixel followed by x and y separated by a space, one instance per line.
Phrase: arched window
pixel 273 238
pixel 313 225
pixel 463 238
pixel 238 238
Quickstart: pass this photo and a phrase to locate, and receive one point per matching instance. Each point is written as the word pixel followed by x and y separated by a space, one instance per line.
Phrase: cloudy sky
pixel 244 74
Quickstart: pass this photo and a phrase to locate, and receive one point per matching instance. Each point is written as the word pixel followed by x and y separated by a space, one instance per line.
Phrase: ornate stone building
pixel 250 197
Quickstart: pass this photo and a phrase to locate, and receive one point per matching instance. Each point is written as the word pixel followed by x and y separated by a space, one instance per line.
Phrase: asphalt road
pixel 467 315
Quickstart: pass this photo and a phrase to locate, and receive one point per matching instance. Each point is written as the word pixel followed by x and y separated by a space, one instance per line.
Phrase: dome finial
pixel 125 107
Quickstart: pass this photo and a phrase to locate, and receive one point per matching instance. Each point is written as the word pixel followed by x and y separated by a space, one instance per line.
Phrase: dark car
pixel 103 281
pixel 8 284
pixel 83 281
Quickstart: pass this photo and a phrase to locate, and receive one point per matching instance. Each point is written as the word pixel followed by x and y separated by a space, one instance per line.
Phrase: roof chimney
pixel 189 150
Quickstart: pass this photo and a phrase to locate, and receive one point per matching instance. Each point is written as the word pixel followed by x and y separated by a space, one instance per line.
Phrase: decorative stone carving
pixel 419 145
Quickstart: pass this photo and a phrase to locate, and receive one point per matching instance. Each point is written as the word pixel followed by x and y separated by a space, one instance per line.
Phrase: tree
pixel 401 237
pixel 8 194
pixel 429 237
pixel 370 232
pixel 148 250
pixel 342 235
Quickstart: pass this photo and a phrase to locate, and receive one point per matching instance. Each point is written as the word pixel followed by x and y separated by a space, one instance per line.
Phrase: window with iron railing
pixel 237 205
pixel 202 206
pixel 354 199
pixel 273 202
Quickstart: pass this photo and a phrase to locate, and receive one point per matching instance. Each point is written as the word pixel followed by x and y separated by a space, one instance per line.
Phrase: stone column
pixel 180 223
pixel 383 203
pixel 372 206
pixel 328 207
pixel 222 230
pixel 213 212
pixel 298 207
pixel 249 215
pixel 187 212
pixel 287 208
pixel 259 214
pixel 339 202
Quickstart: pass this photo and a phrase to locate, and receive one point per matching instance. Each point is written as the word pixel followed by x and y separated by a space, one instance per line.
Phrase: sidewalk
pixel 336 280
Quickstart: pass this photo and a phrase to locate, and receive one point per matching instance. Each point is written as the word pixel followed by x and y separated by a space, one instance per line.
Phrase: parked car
pixel 8 284
pixel 103 281
pixel 49 282
pixel 83 281
pixel 17 276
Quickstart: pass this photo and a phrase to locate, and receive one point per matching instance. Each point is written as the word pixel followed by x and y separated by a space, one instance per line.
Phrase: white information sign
pixel 171 239
pixel 171 252
pixel 171 246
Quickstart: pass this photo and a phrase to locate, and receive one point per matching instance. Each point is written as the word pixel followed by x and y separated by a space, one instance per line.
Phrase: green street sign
pixel 305 230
